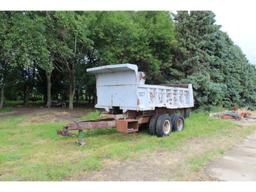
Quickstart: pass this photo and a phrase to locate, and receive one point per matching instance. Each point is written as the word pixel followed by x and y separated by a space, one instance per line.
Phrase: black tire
pixel 152 125
pixel 178 123
pixel 172 116
pixel 163 125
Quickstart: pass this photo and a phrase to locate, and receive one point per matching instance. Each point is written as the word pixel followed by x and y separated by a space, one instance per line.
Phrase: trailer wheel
pixel 178 123
pixel 172 116
pixel 163 125
pixel 152 125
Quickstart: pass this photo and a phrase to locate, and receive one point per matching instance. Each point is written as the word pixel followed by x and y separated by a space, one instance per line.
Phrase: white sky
pixel 240 26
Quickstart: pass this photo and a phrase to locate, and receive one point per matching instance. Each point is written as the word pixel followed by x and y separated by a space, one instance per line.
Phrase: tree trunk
pixel 77 97
pixel 71 89
pixel 2 98
pixel 49 86
pixel 26 99
pixel 89 98
pixel 71 98
pixel 94 99
pixel 26 96
pixel 72 80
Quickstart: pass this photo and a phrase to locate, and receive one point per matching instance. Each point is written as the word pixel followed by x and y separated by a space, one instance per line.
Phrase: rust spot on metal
pixel 143 119
pixel 85 125
pixel 127 125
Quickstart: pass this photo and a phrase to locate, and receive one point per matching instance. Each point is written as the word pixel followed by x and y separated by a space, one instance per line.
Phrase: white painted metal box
pixel 121 85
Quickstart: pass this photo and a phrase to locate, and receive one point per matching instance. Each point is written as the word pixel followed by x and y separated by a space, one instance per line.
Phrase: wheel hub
pixel 179 125
pixel 166 127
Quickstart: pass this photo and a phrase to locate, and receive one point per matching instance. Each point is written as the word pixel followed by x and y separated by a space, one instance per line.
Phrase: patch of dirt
pixel 35 110
pixel 44 115
pixel 237 164
pixel 49 117
pixel 161 165
pixel 19 111
pixel 246 122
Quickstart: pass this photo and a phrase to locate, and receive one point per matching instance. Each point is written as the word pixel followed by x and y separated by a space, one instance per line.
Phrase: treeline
pixel 44 55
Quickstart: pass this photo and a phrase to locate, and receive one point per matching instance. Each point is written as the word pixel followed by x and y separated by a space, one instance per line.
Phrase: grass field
pixel 35 152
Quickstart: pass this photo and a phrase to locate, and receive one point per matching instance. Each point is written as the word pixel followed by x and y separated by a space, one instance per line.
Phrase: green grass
pixel 36 152
pixel 200 160
pixel 5 109
pixel 91 115
pixel 20 103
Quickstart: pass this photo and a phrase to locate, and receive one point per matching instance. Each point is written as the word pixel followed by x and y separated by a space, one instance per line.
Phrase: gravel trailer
pixel 129 102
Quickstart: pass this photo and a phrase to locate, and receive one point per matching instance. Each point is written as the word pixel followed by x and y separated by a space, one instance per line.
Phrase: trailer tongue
pixel 129 102
pixel 87 125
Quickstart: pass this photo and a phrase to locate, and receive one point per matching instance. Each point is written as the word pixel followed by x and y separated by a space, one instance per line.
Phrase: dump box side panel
pixel 152 96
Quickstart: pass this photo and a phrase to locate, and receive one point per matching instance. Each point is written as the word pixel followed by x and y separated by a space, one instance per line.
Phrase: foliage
pixel 209 59
pixel 45 54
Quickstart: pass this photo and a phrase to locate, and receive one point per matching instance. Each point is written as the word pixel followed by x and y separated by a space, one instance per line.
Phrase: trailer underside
pixel 128 122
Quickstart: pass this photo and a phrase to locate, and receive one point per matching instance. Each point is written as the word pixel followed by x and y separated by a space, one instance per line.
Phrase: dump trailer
pixel 129 103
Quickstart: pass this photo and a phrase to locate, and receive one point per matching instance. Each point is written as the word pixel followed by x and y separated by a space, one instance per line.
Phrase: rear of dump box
pixel 129 102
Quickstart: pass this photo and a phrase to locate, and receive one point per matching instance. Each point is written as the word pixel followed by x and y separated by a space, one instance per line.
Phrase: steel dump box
pixel 123 86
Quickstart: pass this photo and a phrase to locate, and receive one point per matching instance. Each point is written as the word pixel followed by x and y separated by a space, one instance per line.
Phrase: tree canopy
pixel 44 55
